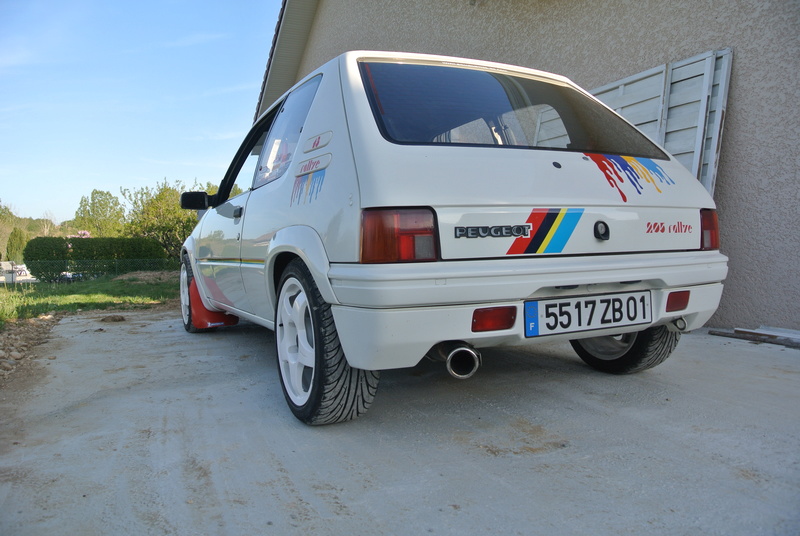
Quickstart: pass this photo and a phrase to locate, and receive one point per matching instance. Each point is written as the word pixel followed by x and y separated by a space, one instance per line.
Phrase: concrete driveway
pixel 137 427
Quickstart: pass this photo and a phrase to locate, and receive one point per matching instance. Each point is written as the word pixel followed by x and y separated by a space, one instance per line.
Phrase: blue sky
pixel 100 94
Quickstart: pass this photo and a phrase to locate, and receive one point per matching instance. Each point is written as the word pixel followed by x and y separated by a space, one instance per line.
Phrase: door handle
pixel 237 212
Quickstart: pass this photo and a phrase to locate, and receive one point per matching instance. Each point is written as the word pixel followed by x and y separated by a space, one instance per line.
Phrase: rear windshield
pixel 424 104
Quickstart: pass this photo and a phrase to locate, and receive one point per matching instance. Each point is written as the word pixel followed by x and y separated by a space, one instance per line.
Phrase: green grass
pixel 29 300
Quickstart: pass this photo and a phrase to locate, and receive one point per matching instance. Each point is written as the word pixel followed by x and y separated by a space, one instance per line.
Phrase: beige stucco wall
pixel 595 42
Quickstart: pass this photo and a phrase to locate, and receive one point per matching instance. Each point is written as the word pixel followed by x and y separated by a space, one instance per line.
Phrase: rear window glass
pixel 433 104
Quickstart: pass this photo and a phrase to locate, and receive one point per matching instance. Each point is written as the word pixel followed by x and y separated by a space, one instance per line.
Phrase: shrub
pixel 48 258
pixel 16 244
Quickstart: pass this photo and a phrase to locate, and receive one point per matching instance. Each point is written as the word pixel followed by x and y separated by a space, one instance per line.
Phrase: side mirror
pixel 195 200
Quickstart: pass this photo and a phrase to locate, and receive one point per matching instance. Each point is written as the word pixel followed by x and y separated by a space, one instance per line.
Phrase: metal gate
pixel 681 106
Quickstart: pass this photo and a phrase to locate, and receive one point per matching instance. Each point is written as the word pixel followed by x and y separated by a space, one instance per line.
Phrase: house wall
pixel 596 42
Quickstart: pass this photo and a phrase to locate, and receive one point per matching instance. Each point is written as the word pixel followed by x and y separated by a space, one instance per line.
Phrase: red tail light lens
pixel 398 235
pixel 709 229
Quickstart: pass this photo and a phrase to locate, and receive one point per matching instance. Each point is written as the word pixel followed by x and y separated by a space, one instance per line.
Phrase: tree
pixel 5 212
pixel 156 213
pixel 47 223
pixel 6 226
pixel 16 245
pixel 101 214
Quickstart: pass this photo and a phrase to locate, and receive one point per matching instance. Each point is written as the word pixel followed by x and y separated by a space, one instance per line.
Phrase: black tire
pixel 628 353
pixel 319 385
pixel 186 300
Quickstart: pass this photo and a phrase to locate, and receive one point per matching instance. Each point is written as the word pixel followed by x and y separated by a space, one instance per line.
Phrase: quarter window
pixel 281 144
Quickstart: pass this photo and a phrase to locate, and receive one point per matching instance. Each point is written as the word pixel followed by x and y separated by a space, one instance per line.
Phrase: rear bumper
pixel 389 316
pixel 456 282
pixel 378 339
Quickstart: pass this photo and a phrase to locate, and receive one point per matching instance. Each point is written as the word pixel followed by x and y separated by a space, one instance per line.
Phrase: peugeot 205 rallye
pixel 394 206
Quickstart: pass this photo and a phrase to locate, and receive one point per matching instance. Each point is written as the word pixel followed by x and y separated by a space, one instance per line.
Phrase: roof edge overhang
pixel 288 46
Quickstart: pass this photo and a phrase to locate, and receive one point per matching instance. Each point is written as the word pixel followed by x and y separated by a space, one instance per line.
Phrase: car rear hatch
pixel 515 162
pixel 562 203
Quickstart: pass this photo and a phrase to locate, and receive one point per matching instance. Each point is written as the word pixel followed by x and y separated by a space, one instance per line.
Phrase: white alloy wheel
pixel 184 290
pixel 294 331
pixel 319 385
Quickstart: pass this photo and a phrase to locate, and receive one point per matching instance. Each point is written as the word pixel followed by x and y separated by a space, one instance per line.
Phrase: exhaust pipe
pixel 461 359
pixel 679 325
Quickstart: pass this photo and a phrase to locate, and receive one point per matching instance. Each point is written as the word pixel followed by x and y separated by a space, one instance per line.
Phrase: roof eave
pixel 288 46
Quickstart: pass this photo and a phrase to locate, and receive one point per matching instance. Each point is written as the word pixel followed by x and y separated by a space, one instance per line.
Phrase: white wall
pixel 595 42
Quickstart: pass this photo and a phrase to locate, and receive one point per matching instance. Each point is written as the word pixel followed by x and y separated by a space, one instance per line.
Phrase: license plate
pixel 586 313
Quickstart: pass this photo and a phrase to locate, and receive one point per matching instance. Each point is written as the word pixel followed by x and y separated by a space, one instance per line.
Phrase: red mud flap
pixel 202 318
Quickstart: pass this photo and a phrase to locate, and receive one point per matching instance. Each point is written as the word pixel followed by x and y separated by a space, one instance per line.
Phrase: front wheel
pixel 186 296
pixel 318 383
pixel 627 353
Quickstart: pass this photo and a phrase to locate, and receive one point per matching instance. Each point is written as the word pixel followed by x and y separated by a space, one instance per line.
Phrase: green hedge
pixel 95 249
pixel 47 258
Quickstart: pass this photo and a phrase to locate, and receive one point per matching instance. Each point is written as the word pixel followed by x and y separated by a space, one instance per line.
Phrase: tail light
pixel 709 229
pixel 398 235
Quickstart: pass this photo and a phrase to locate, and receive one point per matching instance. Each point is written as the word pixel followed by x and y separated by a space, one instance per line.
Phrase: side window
pixel 284 136
pixel 245 176
pixel 240 174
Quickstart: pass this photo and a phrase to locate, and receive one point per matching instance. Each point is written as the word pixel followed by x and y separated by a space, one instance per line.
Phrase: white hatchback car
pixel 395 206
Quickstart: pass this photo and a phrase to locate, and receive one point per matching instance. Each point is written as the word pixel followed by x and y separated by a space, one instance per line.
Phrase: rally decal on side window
pixel 620 171
pixel 550 231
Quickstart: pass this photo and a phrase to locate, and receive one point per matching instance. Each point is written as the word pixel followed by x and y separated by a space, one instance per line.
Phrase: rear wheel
pixel 318 383
pixel 629 352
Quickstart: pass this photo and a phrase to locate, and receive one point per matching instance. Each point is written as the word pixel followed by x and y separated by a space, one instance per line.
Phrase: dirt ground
pixel 120 422
pixel 137 427
pixel 19 337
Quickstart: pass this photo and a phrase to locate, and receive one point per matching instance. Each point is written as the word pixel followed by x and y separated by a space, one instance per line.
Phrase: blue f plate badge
pixel 532 319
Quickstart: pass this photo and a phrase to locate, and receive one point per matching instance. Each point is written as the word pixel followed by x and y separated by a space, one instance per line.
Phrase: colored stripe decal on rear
pixel 521 244
pixel 569 219
pixel 540 234
pixel 551 229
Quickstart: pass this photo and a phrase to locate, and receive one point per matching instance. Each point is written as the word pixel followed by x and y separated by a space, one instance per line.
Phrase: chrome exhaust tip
pixel 461 359
pixel 463 362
